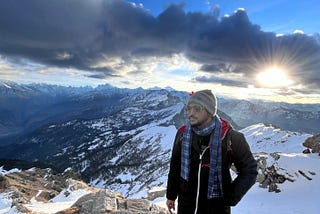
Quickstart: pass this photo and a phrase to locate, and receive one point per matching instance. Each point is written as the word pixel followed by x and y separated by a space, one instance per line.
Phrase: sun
pixel 274 77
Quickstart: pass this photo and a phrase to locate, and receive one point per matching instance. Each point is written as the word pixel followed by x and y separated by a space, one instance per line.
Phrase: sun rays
pixel 274 77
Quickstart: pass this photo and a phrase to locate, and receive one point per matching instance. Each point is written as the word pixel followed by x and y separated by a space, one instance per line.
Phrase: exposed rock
pixel 275 155
pixel 306 151
pixel 3 183
pixel 71 210
pixel 107 201
pixel 42 185
pixel 45 196
pixel 156 192
pixel 268 176
pixel 26 184
pixel 304 175
pixel 313 143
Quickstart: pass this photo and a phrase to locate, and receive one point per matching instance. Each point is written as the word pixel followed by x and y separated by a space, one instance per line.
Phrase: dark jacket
pixel 235 150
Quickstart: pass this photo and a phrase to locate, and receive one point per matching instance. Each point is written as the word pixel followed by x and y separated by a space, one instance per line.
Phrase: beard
pixel 195 121
pixel 199 122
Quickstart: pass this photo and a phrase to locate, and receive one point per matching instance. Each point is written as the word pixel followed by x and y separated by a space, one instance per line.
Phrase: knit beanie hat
pixel 205 98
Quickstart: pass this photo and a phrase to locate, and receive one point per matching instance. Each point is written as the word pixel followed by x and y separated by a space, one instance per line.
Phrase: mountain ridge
pixel 27 107
pixel 282 165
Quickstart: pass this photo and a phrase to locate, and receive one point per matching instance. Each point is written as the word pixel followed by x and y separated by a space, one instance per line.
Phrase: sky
pixel 244 49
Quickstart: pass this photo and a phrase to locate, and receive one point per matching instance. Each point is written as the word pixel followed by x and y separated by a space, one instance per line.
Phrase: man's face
pixel 197 115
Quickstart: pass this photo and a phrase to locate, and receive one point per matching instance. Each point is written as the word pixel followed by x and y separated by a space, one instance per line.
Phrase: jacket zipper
pixel 199 174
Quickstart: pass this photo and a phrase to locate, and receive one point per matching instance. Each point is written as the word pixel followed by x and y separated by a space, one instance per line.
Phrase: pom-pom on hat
pixel 205 98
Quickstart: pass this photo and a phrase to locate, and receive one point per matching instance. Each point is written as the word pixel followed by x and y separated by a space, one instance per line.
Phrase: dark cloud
pixel 219 68
pixel 80 33
pixel 307 91
pixel 222 81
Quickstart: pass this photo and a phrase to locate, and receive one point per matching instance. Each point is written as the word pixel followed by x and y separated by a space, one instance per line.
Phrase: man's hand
pixel 171 206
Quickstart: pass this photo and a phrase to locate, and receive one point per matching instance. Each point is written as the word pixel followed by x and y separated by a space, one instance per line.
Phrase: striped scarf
pixel 215 173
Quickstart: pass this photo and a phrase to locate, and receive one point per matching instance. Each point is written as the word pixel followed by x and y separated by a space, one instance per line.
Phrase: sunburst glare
pixel 274 77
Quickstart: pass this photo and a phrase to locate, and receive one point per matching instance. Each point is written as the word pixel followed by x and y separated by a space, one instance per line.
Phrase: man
pixel 202 155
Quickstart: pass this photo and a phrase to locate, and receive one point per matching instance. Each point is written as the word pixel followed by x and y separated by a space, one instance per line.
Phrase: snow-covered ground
pixel 300 196
pixel 58 203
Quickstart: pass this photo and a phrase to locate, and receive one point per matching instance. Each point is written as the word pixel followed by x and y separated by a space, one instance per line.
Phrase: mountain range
pixel 121 139
pixel 27 107
pixel 117 137
pixel 287 177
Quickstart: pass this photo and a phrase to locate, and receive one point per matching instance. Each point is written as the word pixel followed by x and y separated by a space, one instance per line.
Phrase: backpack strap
pixel 182 128
pixel 226 127
pixel 181 131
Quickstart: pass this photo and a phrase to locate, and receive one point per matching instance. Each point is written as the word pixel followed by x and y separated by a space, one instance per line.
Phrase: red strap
pixel 182 128
pixel 225 127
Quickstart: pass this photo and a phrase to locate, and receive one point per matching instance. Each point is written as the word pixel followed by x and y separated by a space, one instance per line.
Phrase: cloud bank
pixel 84 35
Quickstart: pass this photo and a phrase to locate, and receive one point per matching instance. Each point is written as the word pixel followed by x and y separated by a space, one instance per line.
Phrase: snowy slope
pixel 299 196
pixel 150 144
pixel 58 203
pixel 262 138
pixel 64 200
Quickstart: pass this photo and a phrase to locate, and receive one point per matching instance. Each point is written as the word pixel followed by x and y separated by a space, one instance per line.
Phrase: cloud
pixel 222 80
pixel 83 34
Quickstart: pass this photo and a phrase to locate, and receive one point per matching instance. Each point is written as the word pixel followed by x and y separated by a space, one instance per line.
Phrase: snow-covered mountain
pixel 128 143
pixel 287 183
pixel 269 139
pixel 281 154
pixel 27 107
pixel 121 139
pixel 293 117
pixel 106 133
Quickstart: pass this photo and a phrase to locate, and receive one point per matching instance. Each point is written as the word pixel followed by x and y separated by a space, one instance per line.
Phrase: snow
pixel 165 134
pixel 6 85
pixel 299 196
pixel 5 172
pixel 268 139
pixel 5 204
pixel 156 189
pixel 58 203
pixel 126 176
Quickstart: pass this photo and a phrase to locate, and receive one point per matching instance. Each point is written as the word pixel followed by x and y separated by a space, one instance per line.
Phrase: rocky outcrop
pixel 26 184
pixel 156 192
pixel 39 184
pixel 268 176
pixel 107 201
pixel 313 143
pixel 42 185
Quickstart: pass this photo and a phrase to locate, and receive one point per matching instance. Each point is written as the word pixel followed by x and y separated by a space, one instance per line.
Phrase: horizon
pixel 219 96
pixel 244 49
